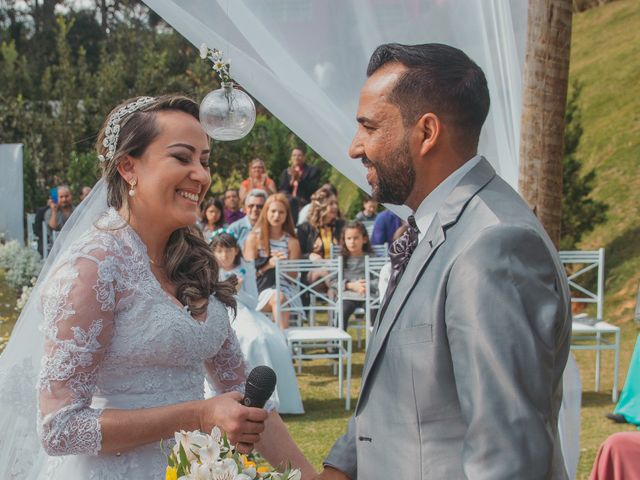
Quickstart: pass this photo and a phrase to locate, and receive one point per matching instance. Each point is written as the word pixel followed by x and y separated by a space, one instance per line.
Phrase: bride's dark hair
pixel 188 261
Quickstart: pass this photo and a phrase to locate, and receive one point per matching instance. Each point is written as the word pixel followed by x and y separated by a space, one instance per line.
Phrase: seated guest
pixel 618 458
pixel 299 181
pixel 369 210
pixel 303 216
pixel 211 219
pixel 232 211
pixel 384 227
pixel 628 407
pixel 323 228
pixel 84 192
pixel 60 211
pixel 258 179
pixel 253 204
pixel 261 342
pixel 272 239
pixel 354 247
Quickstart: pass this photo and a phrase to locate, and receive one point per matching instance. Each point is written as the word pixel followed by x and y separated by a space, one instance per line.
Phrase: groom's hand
pixel 243 425
pixel 332 474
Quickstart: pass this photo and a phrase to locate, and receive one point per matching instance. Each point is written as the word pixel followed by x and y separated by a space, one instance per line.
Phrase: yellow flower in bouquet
pixel 172 474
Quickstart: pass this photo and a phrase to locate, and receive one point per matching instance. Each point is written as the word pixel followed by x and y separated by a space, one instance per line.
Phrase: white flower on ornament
pixel 204 51
pixel 218 65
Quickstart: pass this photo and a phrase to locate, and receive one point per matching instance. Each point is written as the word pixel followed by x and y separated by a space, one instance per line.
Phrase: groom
pixel 463 376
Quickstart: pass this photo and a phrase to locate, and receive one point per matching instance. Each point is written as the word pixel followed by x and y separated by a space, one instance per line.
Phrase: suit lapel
pixel 448 215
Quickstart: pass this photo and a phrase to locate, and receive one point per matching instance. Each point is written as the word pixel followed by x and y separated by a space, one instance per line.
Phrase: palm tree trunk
pixel 546 73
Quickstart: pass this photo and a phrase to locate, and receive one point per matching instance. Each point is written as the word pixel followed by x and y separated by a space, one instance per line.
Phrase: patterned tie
pixel 400 252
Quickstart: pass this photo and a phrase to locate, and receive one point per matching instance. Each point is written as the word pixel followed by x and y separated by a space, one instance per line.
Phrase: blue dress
pixel 629 403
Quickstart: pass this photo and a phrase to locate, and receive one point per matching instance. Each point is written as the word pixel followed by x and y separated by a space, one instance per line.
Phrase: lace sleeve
pixel 227 370
pixel 78 306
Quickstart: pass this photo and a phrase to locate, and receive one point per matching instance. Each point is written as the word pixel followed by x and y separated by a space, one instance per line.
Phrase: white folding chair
pixel 32 240
pixel 317 341
pixel 588 333
pixel 378 250
pixel 368 225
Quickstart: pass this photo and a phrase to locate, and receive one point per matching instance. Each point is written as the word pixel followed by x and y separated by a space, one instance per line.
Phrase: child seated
pixel 369 210
pixel 355 246
pixel 261 341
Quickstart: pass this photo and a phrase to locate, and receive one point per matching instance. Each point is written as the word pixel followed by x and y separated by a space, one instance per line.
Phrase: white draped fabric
pixel 305 60
pixel 11 196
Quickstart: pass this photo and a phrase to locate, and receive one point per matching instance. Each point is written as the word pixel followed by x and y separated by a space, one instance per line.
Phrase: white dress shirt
pixel 427 210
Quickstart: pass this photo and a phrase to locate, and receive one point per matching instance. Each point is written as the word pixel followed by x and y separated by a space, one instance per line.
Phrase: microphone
pixel 261 383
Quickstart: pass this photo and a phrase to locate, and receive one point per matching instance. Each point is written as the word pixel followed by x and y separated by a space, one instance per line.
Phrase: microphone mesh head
pixel 261 383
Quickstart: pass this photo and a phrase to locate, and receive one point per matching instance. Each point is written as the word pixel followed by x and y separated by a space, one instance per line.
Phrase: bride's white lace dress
pixel 115 340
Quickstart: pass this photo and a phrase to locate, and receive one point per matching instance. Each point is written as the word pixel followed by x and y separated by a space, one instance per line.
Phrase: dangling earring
pixel 132 191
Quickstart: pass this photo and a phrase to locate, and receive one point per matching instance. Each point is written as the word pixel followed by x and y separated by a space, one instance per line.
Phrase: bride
pixel 132 317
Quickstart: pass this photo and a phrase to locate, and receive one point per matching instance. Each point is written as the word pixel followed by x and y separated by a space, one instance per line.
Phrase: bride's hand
pixel 243 425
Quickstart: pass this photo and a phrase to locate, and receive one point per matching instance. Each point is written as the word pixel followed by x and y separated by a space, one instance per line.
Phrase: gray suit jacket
pixel 463 376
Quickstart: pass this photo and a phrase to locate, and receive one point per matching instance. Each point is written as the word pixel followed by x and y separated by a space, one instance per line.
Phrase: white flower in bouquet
pixel 204 51
pixel 195 442
pixel 198 456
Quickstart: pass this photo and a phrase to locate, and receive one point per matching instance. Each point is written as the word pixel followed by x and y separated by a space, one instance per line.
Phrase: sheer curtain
pixel 305 60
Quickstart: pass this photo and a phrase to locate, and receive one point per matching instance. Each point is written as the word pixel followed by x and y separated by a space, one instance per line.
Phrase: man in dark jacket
pixel 299 181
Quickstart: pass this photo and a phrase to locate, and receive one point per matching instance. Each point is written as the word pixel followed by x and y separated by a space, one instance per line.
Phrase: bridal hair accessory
pixel 226 113
pixel 132 191
pixel 112 131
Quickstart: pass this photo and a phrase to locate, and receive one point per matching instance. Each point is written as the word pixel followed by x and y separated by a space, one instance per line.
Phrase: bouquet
pixel 198 456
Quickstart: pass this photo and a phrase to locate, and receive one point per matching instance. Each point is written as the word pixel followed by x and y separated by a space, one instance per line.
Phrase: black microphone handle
pixel 261 383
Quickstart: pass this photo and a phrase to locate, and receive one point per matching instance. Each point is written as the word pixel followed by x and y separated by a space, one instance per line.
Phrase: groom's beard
pixel 395 177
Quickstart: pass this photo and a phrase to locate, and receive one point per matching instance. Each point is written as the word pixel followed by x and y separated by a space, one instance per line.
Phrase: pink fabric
pixel 618 458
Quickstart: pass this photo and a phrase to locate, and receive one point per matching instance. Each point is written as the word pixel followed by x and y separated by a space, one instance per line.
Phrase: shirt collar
pixel 427 210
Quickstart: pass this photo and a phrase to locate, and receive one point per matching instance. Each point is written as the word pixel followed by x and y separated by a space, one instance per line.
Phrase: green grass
pixel 605 49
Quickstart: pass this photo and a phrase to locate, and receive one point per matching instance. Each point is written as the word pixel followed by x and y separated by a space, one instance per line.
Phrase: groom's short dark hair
pixel 440 79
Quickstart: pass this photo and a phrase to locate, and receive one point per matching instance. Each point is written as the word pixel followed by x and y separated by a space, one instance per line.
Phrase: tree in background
pixel 580 212
pixel 546 73
pixel 63 70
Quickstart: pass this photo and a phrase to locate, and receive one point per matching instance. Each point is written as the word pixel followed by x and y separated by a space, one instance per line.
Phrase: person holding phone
pixel 60 207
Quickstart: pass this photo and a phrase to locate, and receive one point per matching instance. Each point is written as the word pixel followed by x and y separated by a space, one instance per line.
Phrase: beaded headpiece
pixel 112 131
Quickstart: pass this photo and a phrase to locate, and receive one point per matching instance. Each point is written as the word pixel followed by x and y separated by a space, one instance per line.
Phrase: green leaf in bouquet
pixel 183 456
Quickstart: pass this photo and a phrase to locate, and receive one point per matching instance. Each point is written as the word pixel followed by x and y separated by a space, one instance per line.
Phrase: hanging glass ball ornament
pixel 227 113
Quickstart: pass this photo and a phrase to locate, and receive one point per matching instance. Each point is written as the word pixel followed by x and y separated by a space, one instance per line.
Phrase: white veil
pixel 21 453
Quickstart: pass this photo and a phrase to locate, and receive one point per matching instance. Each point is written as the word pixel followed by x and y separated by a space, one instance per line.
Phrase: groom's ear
pixel 429 129
pixel 127 169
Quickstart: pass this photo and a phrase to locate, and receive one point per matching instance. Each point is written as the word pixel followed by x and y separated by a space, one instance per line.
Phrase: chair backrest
pixel 578 264
pixel 372 267
pixel 32 239
pixel 332 269
pixel 368 224
pixel 378 250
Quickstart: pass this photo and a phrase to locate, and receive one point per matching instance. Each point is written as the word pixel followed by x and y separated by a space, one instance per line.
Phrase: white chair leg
pixel 348 393
pixel 598 361
pixel 616 366
pixel 340 371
